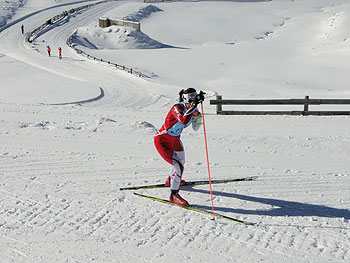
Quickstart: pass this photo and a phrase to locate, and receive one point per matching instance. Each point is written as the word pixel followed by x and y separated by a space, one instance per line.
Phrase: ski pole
pixel 206 151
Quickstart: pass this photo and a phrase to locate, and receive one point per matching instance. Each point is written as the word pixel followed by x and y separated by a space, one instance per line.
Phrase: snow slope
pixel 62 163
pixel 8 9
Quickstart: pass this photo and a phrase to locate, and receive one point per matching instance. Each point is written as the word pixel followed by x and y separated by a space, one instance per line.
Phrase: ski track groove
pixel 15 251
pixel 174 237
pixel 34 248
pixel 274 244
pixel 91 220
pixel 93 223
pixel 67 219
pixel 274 241
pixel 33 166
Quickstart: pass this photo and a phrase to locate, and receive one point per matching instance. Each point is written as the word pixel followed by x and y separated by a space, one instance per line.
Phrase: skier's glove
pixel 194 104
pixel 200 97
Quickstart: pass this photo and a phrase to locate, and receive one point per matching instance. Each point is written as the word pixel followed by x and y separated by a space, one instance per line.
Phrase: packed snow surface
pixel 73 131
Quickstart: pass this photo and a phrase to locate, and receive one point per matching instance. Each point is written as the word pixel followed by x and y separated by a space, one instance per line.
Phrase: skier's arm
pixel 197 120
pixel 183 119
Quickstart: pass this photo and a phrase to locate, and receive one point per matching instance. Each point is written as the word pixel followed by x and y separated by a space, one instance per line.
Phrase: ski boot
pixel 177 199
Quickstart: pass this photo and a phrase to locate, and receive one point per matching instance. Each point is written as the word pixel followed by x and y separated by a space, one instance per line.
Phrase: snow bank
pixel 217 42
pixel 119 37
pixel 8 9
pixel 142 13
pixel 114 37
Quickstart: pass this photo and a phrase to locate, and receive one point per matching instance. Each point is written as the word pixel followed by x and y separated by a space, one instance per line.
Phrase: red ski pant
pixel 172 151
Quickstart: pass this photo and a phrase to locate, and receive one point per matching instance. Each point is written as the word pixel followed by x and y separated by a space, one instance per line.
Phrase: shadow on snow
pixel 280 207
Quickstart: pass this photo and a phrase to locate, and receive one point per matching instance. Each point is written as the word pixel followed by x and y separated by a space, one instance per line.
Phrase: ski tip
pixel 253 178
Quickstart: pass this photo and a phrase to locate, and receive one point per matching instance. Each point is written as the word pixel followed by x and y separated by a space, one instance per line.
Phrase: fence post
pixel 218 106
pixel 306 105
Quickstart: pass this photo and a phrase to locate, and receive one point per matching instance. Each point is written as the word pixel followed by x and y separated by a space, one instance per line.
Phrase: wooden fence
pixel 114 65
pixel 306 102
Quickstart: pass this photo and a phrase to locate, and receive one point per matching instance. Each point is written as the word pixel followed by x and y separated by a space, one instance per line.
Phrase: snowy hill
pixel 74 131
pixel 8 9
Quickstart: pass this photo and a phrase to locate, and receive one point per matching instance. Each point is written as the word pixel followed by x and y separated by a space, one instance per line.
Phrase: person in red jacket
pixel 168 143
pixel 48 50
pixel 60 53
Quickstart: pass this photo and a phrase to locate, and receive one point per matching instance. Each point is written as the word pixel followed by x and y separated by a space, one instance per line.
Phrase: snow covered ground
pixel 62 163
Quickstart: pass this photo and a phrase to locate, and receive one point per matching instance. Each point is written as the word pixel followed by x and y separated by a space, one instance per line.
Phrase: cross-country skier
pixel 167 139
pixel 48 50
pixel 60 53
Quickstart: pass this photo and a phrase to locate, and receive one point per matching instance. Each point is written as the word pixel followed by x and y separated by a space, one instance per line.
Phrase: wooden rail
pixel 305 102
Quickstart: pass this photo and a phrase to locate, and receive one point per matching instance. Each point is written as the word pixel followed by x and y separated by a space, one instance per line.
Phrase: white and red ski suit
pixel 167 139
